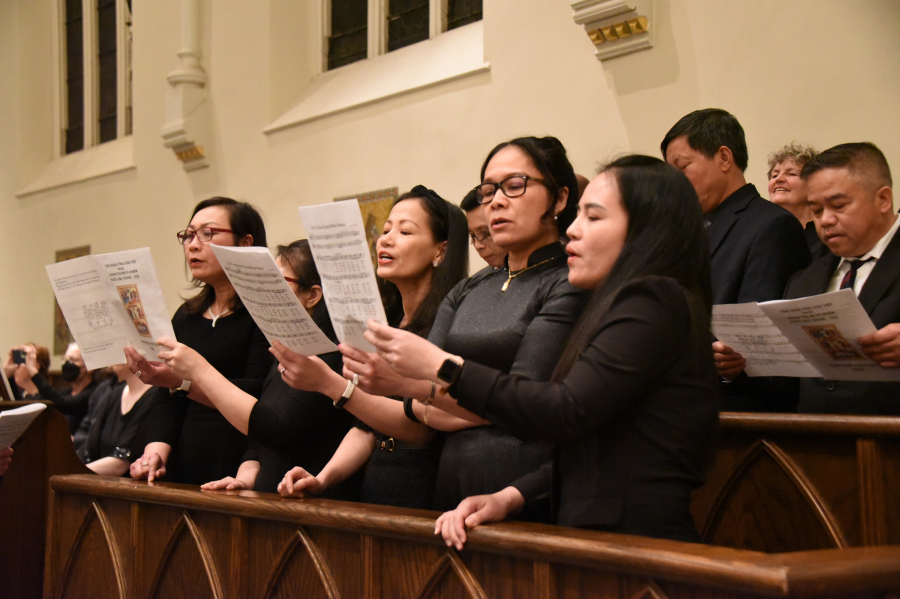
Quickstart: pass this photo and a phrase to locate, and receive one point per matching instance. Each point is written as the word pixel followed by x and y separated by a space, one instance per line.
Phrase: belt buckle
pixel 387 444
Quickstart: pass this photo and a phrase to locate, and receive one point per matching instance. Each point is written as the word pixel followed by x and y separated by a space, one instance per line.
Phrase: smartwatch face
pixel 449 371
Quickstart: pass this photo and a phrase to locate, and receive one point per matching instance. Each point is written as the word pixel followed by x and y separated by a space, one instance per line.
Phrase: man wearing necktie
pixel 852 204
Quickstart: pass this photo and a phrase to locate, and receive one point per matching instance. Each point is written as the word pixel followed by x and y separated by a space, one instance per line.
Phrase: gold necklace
pixel 215 316
pixel 513 276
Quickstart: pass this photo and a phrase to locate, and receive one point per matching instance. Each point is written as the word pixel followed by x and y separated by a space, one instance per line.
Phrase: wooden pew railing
pixel 811 501
pixel 116 538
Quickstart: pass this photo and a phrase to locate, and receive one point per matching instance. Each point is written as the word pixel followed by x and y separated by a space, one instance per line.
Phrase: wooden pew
pixel 117 538
pixel 790 482
pixel 44 450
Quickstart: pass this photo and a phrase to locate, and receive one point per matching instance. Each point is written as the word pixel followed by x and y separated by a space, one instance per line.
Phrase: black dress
pixel 114 434
pixel 289 427
pixel 523 331
pixel 635 419
pixel 205 447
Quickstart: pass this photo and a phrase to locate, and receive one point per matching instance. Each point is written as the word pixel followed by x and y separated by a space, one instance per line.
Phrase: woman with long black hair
pixel 632 403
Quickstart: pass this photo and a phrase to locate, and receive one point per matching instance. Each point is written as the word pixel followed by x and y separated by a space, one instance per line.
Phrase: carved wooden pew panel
pixel 117 538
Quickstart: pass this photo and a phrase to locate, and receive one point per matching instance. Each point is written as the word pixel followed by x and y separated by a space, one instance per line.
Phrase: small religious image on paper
pixel 832 342
pixel 131 299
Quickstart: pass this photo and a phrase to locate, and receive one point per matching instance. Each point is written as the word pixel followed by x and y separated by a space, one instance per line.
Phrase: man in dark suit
pixel 755 246
pixel 852 203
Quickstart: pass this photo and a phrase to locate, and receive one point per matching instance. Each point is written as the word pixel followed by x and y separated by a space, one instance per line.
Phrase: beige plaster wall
pixel 823 72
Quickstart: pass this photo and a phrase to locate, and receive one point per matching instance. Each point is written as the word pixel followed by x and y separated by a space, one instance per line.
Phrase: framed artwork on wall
pixel 375 207
pixel 62 337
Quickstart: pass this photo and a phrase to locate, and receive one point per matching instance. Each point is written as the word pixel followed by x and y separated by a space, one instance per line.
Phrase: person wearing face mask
pixel 73 399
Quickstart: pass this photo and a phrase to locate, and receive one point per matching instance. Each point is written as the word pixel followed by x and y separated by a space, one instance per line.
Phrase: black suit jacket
pixel 880 296
pixel 755 246
pixel 635 419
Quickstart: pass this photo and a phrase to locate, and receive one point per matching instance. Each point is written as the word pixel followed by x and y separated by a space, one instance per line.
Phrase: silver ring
pixel 138 374
pixel 282 370
pixel 145 463
pixel 355 379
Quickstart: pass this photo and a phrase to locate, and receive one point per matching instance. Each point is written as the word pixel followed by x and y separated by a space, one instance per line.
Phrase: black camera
pixel 18 356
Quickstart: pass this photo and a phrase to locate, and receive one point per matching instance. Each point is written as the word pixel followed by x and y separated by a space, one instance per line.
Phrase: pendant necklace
pixel 518 272
pixel 215 316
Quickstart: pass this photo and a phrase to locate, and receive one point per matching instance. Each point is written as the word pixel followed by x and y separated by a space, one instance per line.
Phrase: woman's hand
pixel 307 374
pixel 149 467
pixel 475 510
pixel 299 483
pixel 31 362
pixel 184 362
pixel 228 483
pixel 375 376
pixel 408 354
pixel 729 363
pixel 152 373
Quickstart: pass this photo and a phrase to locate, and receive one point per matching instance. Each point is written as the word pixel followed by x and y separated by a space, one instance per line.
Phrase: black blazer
pixel 755 246
pixel 880 296
pixel 635 419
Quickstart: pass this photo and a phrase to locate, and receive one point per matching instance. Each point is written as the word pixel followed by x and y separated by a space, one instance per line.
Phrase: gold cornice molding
pixel 616 27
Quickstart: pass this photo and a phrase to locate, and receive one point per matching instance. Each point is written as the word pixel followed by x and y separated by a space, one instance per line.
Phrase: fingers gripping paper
pixel 266 295
pixel 111 301
pixel 338 243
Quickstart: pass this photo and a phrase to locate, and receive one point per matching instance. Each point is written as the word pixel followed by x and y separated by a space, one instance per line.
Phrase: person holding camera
pixel 16 372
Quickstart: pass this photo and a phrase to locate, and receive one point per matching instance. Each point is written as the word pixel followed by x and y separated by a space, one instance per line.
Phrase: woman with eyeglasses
pixel 285 426
pixel 421 255
pixel 632 404
pixel 191 441
pixel 516 319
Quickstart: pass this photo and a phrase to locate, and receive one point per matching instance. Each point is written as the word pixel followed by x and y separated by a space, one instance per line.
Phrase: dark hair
pixel 470 202
pixel 708 130
pixel 549 157
pixel 299 259
pixel 243 220
pixel 863 159
pixel 665 237
pixel 447 223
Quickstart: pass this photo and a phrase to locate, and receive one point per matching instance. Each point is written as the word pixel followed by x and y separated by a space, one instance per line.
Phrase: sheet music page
pixel 746 329
pixel 112 301
pixel 338 242
pixel 14 422
pixel 825 329
pixel 269 299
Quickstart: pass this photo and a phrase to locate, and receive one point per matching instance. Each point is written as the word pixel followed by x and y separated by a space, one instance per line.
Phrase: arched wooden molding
pixel 794 473
pixel 185 522
pixel 112 546
pixel 450 562
pixel 325 575
pixel 651 591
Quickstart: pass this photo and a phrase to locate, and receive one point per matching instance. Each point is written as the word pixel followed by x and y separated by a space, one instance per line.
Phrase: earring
pixel 434 264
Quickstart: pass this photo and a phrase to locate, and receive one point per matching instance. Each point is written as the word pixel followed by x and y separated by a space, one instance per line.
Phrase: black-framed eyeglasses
pixel 204 234
pixel 479 236
pixel 512 187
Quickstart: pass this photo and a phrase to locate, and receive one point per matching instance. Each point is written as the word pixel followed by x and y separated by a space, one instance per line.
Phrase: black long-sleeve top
pixel 75 407
pixel 521 331
pixel 289 427
pixel 635 419
pixel 114 434
pixel 205 445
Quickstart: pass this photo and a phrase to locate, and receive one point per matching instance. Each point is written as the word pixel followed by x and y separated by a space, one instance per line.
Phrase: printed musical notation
pixel 348 279
pixel 269 299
